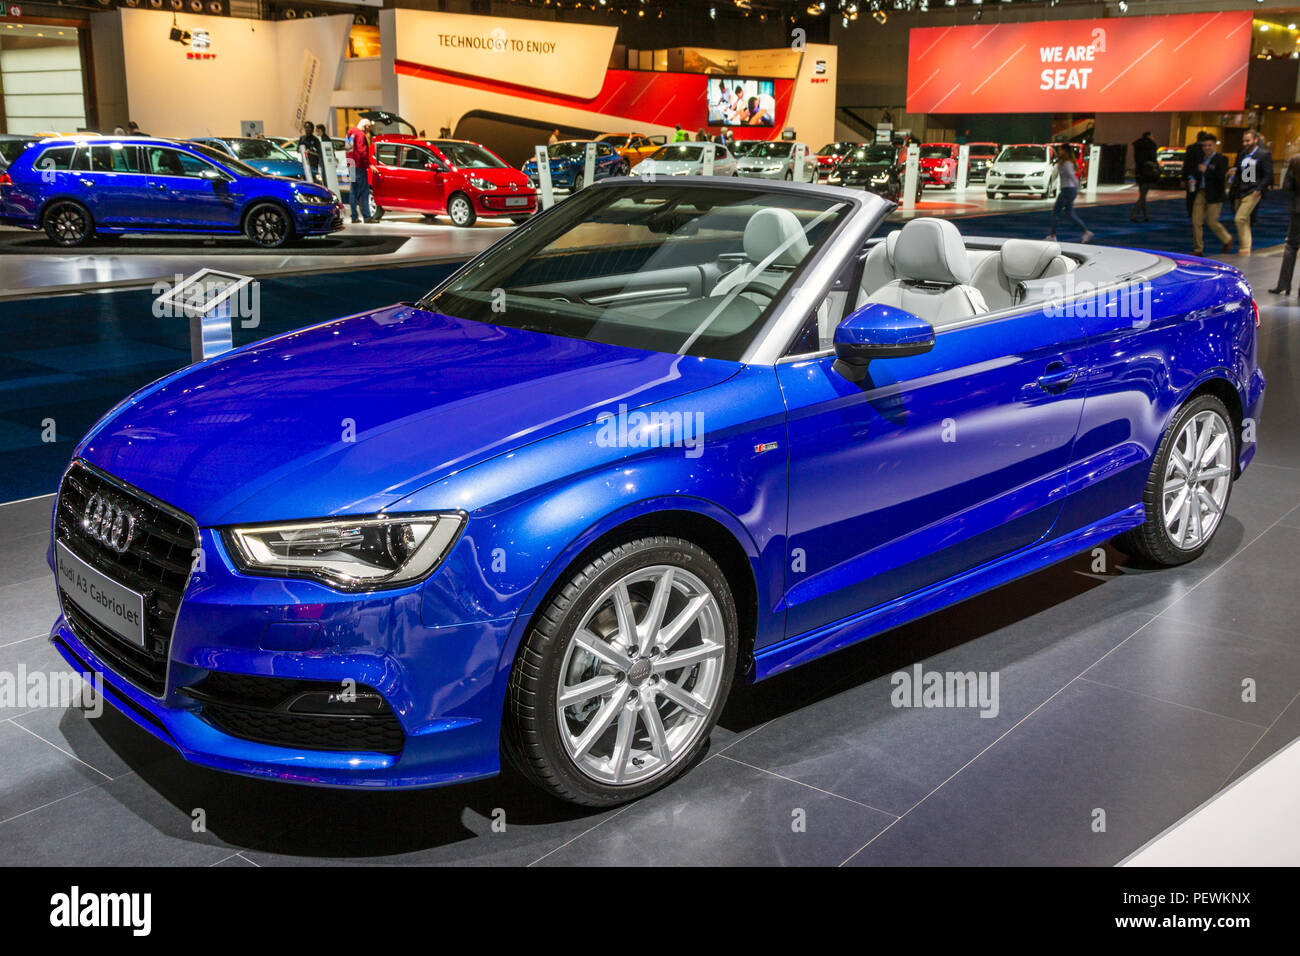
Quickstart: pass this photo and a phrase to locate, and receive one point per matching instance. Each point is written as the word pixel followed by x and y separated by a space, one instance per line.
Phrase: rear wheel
pixel 623 673
pixel 461 210
pixel 68 223
pixel 1189 485
pixel 268 225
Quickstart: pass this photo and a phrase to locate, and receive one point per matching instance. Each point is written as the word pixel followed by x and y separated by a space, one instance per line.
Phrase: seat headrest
pixel 891 243
pixel 768 229
pixel 931 250
pixel 1024 259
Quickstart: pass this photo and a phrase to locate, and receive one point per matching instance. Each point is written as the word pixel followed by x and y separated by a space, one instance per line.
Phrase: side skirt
pixel 773 660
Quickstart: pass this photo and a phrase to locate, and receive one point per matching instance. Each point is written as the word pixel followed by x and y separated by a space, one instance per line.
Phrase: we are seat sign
pixel 1194 61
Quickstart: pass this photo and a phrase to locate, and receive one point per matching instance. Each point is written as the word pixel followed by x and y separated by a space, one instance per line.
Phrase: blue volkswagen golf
pixel 76 188
pixel 663 438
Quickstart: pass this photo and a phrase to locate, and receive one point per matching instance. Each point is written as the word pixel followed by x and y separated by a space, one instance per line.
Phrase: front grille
pixel 259 709
pixel 156 564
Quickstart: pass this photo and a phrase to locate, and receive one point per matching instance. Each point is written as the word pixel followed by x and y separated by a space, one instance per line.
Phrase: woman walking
pixel 1068 188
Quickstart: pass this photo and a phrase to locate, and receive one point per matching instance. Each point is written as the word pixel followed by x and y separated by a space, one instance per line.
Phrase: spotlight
pixel 880 17
pixel 713 13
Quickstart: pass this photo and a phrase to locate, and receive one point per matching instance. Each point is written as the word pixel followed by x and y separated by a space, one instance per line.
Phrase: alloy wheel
pixel 460 210
pixel 1197 479
pixel 68 224
pixel 269 226
pixel 641 676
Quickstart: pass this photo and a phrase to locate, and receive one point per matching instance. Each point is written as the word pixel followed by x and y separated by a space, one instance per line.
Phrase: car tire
pixel 68 223
pixel 268 225
pixel 461 210
pixel 595 750
pixel 1172 541
pixel 373 211
pixel 625 168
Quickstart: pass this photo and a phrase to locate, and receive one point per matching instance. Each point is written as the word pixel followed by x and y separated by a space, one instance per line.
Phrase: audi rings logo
pixel 109 522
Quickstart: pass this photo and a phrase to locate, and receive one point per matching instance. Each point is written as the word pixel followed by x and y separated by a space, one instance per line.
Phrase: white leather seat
pixel 933 272
pixel 999 276
pixel 767 231
pixel 878 270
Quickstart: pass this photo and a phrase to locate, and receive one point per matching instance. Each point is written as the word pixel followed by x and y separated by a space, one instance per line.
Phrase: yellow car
pixel 633 147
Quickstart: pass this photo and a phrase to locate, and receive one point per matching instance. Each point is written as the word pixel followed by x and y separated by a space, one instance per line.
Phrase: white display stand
pixel 330 168
pixel 1094 169
pixel 911 176
pixel 963 167
pixel 589 165
pixel 800 160
pixel 706 163
pixel 205 299
pixel 545 191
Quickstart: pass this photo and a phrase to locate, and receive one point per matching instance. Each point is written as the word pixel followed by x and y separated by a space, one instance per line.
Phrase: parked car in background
pixel 832 153
pixel 507 566
pixel 937 164
pixel 981 158
pixel 632 147
pixel 687 159
pixel 261 154
pixel 451 177
pixel 290 145
pixel 12 146
pixel 1023 170
pixel 776 160
pixel 568 160
pixel 1170 160
pixel 76 188
pixel 879 169
pixel 743 147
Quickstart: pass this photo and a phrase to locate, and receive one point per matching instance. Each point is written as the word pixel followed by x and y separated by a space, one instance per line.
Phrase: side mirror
pixel 212 174
pixel 878 331
pixel 436 166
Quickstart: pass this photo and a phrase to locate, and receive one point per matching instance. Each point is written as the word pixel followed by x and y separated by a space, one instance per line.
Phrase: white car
pixel 775 160
pixel 686 159
pixel 1025 170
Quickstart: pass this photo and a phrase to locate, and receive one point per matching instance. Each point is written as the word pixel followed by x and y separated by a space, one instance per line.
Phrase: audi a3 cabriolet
pixel 663 438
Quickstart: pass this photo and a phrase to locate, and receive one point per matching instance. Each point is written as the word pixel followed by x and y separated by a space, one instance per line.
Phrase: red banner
pixel 1194 61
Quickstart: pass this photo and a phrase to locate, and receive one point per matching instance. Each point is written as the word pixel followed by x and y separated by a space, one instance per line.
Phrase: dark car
pixel 830 155
pixel 1170 160
pixel 262 154
pixel 981 158
pixel 877 168
pixel 74 188
pixel 12 146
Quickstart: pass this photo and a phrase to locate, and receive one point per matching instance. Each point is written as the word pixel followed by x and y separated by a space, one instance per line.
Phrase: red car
pixel 449 177
pixel 830 155
pixel 938 164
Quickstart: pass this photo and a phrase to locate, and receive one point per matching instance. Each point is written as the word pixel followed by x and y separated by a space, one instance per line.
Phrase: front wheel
pixel 623 673
pixel 68 223
pixel 1189 485
pixel 374 212
pixel 461 210
pixel 268 225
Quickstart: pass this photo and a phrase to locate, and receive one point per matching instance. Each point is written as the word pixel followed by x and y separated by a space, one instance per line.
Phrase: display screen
pixel 1194 61
pixel 734 101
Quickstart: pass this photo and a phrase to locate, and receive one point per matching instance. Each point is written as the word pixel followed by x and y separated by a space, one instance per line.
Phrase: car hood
pixel 670 166
pixel 275 167
pixel 351 416
pixel 497 176
pixel 1019 167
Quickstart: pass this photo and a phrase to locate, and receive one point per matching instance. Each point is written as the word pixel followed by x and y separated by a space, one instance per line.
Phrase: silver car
pixel 776 160
pixel 686 159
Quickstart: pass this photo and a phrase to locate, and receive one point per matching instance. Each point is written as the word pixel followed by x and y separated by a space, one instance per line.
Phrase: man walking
pixel 1251 178
pixel 359 170
pixel 1206 189
pixel 1291 190
pixel 1147 173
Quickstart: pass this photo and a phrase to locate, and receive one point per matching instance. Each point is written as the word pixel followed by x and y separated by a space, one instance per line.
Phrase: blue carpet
pixel 1170 228
pixel 65 360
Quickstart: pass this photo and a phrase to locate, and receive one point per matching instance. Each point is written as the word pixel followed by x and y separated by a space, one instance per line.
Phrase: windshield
pixel 983 149
pixel 678 152
pixel 468 155
pixel 11 149
pixel 936 152
pixel 835 149
pixel 872 155
pixel 234 165
pixel 638 266
pixel 257 149
pixel 567 149
pixel 772 150
pixel 618 142
pixel 1023 154
pixel 745 148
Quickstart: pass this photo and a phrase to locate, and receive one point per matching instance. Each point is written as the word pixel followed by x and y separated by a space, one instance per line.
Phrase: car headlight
pixel 682 172
pixel 351 554
pixel 880 177
pixel 314 199
pixel 483 184
pixel 833 178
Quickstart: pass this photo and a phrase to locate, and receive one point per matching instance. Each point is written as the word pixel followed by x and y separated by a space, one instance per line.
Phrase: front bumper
pixel 1017 186
pixel 318 220
pixel 499 204
pixel 766 172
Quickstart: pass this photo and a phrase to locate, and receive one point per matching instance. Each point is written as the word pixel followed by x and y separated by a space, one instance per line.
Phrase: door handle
pixel 1058 377
pixel 162 186
pixel 87 182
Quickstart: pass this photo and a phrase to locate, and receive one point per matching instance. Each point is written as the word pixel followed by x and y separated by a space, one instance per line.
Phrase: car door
pixel 187 191
pixel 935 464
pixel 423 179
pixel 388 180
pixel 724 164
pixel 115 183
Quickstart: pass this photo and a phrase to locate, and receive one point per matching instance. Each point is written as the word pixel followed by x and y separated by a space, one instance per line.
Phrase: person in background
pixel 1251 178
pixel 681 136
pixel 1207 189
pixel 359 169
pixel 118 131
pixel 1147 172
pixel 1068 180
pixel 555 137
pixel 310 146
pixel 1191 165
pixel 1291 190
pixel 133 129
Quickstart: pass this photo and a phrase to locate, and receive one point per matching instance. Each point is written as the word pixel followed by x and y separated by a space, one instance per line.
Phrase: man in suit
pixel 1191 160
pixel 1291 189
pixel 1252 177
pixel 1147 172
pixel 1207 188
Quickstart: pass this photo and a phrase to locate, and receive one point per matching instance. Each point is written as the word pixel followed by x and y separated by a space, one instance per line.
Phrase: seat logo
pixel 109 522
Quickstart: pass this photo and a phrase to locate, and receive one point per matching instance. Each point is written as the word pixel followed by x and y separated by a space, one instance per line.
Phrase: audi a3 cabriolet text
pixel 664 437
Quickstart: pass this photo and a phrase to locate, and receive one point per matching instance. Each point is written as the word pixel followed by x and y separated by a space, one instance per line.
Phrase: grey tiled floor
pixel 1121 692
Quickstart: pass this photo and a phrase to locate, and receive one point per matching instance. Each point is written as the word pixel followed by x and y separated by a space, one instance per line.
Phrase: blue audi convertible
pixel 78 187
pixel 663 438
